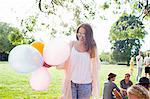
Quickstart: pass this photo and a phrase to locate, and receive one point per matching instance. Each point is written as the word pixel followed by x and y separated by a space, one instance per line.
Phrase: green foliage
pixel 10 37
pixel 127 26
pixel 124 49
pixel 5 44
pixel 105 6
pixel 126 35
pixel 16 37
pixel 140 9
pixel 105 56
pixel 87 7
pixel 29 23
pixel 24 35
pixel 80 11
pixel 83 11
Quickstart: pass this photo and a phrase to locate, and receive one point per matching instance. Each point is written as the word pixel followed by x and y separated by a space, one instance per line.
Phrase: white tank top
pixel 80 67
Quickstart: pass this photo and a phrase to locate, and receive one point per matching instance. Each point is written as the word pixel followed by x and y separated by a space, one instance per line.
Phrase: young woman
pixel 81 68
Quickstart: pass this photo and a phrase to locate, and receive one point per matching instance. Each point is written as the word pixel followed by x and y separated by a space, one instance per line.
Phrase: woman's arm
pixel 96 75
pixel 65 64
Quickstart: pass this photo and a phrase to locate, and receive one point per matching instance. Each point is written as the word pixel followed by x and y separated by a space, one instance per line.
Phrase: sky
pixel 13 10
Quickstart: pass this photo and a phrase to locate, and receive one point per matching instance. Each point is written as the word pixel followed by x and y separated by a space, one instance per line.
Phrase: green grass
pixel 15 85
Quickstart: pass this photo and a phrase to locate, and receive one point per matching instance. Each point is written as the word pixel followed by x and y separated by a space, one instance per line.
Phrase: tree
pixel 79 10
pixel 16 37
pixel 124 49
pixel 87 8
pixel 127 26
pixel 10 37
pixel 126 36
pixel 105 56
pixel 5 44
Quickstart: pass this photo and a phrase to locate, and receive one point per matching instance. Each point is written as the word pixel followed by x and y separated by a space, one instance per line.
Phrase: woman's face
pixel 81 34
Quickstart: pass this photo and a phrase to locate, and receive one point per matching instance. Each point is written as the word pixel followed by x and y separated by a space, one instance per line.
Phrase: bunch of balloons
pixel 36 58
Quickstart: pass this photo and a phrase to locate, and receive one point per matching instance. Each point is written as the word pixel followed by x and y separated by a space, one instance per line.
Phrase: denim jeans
pixel 81 91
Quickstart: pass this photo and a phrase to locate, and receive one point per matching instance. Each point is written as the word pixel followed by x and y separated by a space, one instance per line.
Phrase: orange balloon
pixel 39 46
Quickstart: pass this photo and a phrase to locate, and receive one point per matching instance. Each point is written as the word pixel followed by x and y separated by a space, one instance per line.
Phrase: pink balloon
pixel 56 52
pixel 40 79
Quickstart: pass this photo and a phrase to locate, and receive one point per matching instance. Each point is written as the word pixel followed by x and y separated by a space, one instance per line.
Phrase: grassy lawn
pixel 14 85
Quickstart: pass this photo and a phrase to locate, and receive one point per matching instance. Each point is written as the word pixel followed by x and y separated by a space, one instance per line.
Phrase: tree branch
pixel 146 14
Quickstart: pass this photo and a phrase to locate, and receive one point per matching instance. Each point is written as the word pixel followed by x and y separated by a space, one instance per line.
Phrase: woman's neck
pixel 81 46
pixel 80 43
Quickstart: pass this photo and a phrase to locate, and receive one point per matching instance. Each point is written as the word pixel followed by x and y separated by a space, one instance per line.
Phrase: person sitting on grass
pixel 145 82
pixel 125 84
pixel 109 86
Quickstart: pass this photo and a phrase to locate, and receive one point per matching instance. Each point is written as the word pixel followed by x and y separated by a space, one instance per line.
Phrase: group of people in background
pixel 140 61
pixel 127 89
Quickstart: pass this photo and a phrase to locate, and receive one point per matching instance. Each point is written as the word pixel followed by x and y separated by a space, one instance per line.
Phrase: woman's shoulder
pixel 72 43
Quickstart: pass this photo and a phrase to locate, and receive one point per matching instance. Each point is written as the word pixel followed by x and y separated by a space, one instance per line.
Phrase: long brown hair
pixel 89 39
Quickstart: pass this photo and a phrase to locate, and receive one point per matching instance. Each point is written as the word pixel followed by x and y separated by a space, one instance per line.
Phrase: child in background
pixel 131 65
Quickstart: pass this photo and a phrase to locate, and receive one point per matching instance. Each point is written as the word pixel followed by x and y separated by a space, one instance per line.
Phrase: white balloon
pixel 56 51
pixel 25 59
pixel 40 79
